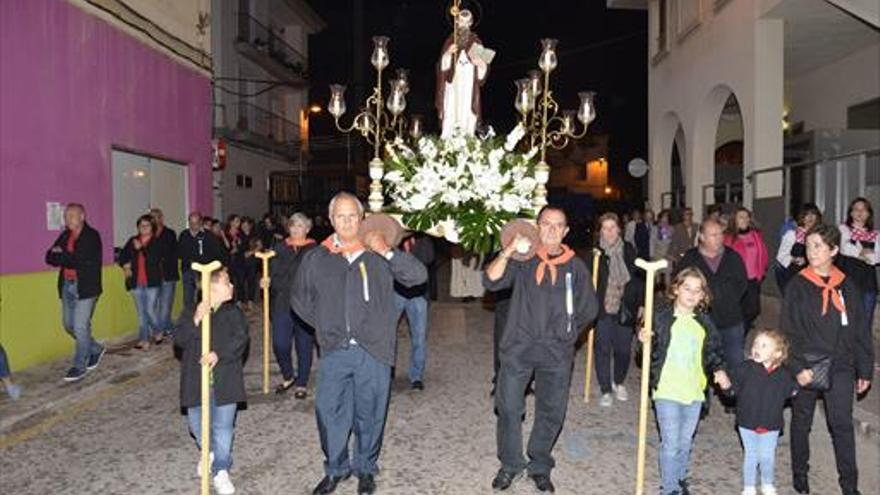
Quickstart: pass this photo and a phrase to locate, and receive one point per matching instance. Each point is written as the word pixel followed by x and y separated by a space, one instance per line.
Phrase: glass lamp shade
pixel 567 127
pixel 548 60
pixel 396 100
pixel 415 126
pixel 586 111
pixel 363 123
pixel 403 79
pixel 535 85
pixel 524 101
pixel 380 58
pixel 336 105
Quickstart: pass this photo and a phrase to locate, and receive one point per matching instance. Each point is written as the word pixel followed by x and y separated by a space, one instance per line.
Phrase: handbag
pixel 820 365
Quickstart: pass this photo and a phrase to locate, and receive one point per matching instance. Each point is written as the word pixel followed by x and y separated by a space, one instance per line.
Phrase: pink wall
pixel 71 87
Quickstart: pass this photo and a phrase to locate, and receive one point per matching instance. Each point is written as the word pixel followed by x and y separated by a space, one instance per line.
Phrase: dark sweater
pixel 809 331
pixel 204 247
pixel 282 272
pixel 332 296
pixel 728 285
pixel 761 395
pixel 229 340
pixel 713 352
pixel 633 293
pixel 167 242
pixel 85 259
pixel 539 328
pixel 153 252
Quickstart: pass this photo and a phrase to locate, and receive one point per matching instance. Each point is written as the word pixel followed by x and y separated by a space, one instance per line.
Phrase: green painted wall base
pixel 30 316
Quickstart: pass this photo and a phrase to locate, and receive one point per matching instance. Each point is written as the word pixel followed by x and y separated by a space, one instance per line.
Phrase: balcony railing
pixel 266 44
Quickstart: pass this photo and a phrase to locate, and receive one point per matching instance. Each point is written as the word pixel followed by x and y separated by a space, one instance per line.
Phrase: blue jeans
pixel 4 363
pixel 288 328
pixel 760 450
pixel 417 316
pixel 222 432
pixel 733 339
pixel 189 278
pixel 76 316
pixel 164 305
pixel 677 423
pixel 352 395
pixel 145 301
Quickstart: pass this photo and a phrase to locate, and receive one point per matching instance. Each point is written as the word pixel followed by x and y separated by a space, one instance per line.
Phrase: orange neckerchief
pixel 294 243
pixel 347 250
pixel 546 261
pixel 835 279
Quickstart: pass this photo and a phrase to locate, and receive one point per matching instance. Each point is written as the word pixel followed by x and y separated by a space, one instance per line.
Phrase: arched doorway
pixel 729 140
pixel 678 184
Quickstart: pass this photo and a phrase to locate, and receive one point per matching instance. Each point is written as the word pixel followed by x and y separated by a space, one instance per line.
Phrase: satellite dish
pixel 637 167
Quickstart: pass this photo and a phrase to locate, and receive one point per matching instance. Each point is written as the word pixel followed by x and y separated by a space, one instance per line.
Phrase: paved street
pixel 120 432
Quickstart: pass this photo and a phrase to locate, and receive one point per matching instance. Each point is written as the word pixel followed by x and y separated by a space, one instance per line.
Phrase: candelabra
pixel 375 124
pixel 544 123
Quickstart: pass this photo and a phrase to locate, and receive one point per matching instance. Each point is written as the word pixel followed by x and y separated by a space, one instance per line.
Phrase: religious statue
pixel 464 64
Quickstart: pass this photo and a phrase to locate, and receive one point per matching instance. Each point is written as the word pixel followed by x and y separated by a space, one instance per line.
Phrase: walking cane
pixel 206 270
pixel 592 333
pixel 650 267
pixel 265 255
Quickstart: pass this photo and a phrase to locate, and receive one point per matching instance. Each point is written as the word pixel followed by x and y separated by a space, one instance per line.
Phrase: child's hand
pixel 862 385
pixel 722 380
pixel 805 377
pixel 265 282
pixel 210 359
pixel 643 333
pixel 201 310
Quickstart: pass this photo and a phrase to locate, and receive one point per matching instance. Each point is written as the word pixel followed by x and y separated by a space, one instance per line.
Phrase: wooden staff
pixel 206 270
pixel 591 335
pixel 650 267
pixel 265 255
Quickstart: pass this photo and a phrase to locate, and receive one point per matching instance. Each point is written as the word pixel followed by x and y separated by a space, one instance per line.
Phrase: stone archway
pixel 664 141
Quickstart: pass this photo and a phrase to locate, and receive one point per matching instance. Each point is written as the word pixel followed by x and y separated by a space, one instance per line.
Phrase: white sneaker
pixel 749 490
pixel 606 400
pixel 199 465
pixel 768 490
pixel 620 392
pixel 222 483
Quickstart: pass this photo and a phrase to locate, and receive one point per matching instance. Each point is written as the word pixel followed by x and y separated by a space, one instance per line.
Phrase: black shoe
pixel 801 484
pixel 543 483
pixel 74 375
pixel 418 385
pixel 685 490
pixel 328 484
pixel 95 359
pixel 284 386
pixel 366 484
pixel 503 480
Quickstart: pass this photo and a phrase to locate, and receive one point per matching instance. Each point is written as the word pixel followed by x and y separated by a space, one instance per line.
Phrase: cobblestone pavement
pixel 122 432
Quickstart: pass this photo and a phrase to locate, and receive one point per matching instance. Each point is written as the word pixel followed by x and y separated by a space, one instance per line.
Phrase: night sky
pixel 600 49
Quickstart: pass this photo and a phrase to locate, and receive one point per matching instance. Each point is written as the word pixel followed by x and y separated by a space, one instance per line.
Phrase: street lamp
pixel 542 118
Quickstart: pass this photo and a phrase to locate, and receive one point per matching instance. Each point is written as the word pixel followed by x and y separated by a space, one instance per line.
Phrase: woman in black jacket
pixel 619 292
pixel 141 261
pixel 831 355
pixel 229 341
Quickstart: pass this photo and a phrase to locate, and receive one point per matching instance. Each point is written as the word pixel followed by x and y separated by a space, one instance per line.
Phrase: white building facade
pixel 261 102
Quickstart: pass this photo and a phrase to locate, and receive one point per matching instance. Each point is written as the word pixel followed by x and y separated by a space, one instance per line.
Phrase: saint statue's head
pixel 465 20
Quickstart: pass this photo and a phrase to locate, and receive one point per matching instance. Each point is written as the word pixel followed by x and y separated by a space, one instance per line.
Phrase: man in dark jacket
pixel 552 302
pixel 77 254
pixel 726 274
pixel 166 239
pixel 345 291
pixel 414 300
pixel 196 245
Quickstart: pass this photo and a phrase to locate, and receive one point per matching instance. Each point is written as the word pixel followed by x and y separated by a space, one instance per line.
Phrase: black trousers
pixel 551 401
pixel 612 340
pixel 839 413
pixel 502 305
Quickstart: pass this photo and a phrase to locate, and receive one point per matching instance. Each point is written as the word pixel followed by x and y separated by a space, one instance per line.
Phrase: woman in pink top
pixel 743 237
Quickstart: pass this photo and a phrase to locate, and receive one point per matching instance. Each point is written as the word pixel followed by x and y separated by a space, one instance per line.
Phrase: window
pixel 141 182
pixel 659 17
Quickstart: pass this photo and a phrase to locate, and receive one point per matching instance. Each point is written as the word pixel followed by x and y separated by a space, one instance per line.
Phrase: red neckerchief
pixel 409 243
pixel 296 244
pixel 800 234
pixel 829 288
pixel 345 250
pixel 859 234
pixel 70 273
pixel 546 261
pixel 142 262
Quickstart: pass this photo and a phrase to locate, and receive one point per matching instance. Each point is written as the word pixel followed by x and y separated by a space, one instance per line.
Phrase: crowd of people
pixel 342 296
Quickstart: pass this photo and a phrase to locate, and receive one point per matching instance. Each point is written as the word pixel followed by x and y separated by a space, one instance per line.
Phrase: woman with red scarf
pixel 832 355
pixel 791 256
pixel 140 260
pixel 743 237
pixel 860 254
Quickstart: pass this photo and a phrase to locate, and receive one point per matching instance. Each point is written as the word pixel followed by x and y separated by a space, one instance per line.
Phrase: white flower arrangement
pixel 464 188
